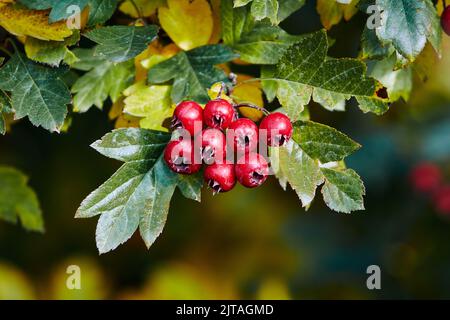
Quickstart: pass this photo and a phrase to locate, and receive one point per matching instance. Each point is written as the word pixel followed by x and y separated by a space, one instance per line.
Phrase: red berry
pixel 442 199
pixel 218 114
pixel 445 20
pixel 245 137
pixel 220 177
pixel 189 116
pixel 252 170
pixel 278 127
pixel 213 146
pixel 426 177
pixel 180 157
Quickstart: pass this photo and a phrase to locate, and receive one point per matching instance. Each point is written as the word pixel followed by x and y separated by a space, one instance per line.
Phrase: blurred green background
pixel 252 244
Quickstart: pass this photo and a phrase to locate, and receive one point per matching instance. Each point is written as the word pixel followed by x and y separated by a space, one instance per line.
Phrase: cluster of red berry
pixel 226 144
pixel 427 178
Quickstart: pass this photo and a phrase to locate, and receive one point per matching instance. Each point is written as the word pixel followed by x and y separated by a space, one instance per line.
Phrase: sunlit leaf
pixel 189 23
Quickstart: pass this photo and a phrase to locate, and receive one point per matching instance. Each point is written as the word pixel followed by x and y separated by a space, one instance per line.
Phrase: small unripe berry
pixel 180 157
pixel 278 127
pixel 245 137
pixel 188 115
pixel 213 146
pixel 218 114
pixel 252 170
pixel 220 177
pixel 445 20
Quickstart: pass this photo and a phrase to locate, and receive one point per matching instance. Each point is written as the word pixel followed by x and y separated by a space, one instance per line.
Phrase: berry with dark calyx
pixel 218 114
pixel 180 157
pixel 188 115
pixel 220 177
pixel 245 135
pixel 213 146
pixel 445 20
pixel 252 170
pixel 278 127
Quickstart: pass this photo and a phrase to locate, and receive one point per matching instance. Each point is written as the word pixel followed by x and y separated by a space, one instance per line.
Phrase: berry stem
pixel 252 106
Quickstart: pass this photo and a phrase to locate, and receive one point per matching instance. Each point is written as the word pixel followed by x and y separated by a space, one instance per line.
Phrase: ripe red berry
pixel 213 146
pixel 278 127
pixel 442 199
pixel 220 177
pixel 245 135
pixel 426 177
pixel 445 20
pixel 180 157
pixel 189 116
pixel 218 114
pixel 252 170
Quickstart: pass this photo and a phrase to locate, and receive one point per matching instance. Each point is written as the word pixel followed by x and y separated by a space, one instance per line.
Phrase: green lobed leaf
pixel 99 10
pixel 36 91
pixel 292 165
pixel 52 52
pixel 256 42
pixel 122 43
pixel 371 46
pixel 191 186
pixel 408 24
pixel 18 201
pixel 5 107
pixel 160 186
pixel 104 79
pixel 323 142
pixel 192 72
pixel 343 190
pixel 132 144
pixel 261 9
pixel 139 193
pixel 288 7
pixel 398 82
pixel 305 71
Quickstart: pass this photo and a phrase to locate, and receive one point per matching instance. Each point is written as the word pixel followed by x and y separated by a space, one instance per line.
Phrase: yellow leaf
pixel 217 30
pixel 155 54
pixel 189 23
pixel 152 103
pixel 145 8
pixel 116 109
pixel 216 91
pixel 23 22
pixel 126 121
pixel 440 6
pixel 331 12
pixel 248 92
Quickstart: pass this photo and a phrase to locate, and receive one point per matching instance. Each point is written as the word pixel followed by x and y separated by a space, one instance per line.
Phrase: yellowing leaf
pixel 23 22
pixel 216 91
pixel 248 92
pixel 146 7
pixel 189 23
pixel 154 54
pixel 52 52
pixel 116 109
pixel 440 6
pixel 217 29
pixel 152 103
pixel 331 12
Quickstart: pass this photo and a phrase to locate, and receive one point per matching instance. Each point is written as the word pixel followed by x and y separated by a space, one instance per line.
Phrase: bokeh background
pixel 253 244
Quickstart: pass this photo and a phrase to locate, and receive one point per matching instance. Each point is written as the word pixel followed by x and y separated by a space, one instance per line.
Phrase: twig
pixel 252 106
